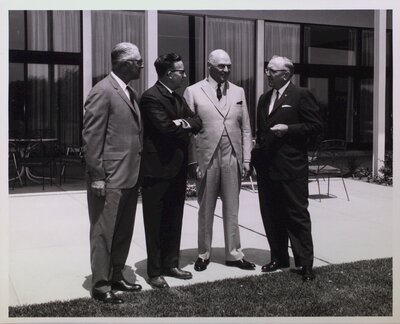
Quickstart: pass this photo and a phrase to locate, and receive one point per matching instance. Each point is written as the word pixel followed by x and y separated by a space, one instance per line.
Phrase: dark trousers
pixel 283 206
pixel 163 201
pixel 111 227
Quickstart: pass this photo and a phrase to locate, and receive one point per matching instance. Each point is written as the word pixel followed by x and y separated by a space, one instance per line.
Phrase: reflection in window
pixel 367 47
pixel 330 45
pixel 66 84
pixel 237 37
pixel 183 35
pixel 16 111
pixel 366 110
pixel 283 40
pixel 110 28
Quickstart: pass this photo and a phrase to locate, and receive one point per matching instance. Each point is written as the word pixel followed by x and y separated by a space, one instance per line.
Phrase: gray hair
pixel 287 63
pixel 122 51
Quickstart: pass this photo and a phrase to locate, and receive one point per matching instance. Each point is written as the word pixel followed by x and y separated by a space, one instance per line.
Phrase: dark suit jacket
pixel 112 135
pixel 165 144
pixel 286 158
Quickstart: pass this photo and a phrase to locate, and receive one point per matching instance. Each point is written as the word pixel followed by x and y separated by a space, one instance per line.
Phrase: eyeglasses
pixel 181 72
pixel 222 66
pixel 272 71
pixel 137 62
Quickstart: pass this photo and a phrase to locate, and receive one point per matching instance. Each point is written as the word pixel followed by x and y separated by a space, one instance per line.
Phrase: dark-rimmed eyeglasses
pixel 181 72
pixel 272 71
pixel 137 62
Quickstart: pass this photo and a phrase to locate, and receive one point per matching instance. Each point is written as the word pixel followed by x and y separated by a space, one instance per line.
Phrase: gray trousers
pixel 111 227
pixel 222 178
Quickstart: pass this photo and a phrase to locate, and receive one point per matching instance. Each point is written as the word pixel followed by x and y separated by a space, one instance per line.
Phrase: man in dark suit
pixel 168 123
pixel 286 118
pixel 112 138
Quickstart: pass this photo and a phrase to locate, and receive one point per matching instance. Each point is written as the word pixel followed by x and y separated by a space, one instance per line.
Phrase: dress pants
pixel 163 202
pixel 222 178
pixel 283 206
pixel 112 220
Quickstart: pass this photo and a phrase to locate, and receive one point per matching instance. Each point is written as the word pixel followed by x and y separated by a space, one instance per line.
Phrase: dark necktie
pixel 132 98
pixel 219 92
pixel 177 103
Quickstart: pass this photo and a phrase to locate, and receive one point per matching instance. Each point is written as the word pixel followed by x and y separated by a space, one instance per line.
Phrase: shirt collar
pixel 283 88
pixel 121 83
pixel 169 90
pixel 214 84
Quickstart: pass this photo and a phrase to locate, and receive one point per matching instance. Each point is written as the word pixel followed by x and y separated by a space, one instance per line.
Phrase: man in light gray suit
pixel 222 151
pixel 112 138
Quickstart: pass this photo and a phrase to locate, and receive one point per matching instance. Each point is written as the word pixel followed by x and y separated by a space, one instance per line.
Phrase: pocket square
pixel 239 102
pixel 286 106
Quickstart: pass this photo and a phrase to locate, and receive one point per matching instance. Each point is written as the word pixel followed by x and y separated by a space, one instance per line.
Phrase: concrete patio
pixel 49 240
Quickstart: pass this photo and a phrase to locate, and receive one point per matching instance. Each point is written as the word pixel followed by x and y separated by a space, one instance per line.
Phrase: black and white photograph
pixel 204 163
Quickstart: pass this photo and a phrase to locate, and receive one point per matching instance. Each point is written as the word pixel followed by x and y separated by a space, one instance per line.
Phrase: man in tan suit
pixel 222 151
pixel 112 138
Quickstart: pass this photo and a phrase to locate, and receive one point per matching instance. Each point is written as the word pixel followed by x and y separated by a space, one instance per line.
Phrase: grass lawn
pixel 361 288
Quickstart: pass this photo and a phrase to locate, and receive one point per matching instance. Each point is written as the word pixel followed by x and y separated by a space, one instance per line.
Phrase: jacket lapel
pixel 209 92
pixel 281 99
pixel 169 99
pixel 121 93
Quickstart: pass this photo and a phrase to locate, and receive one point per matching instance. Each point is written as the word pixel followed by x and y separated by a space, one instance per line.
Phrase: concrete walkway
pixel 49 239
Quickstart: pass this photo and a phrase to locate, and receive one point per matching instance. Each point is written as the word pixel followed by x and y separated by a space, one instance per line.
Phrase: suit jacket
pixel 233 117
pixel 165 144
pixel 286 158
pixel 112 135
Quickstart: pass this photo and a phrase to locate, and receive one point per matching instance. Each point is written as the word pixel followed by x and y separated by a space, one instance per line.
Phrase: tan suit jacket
pixel 233 116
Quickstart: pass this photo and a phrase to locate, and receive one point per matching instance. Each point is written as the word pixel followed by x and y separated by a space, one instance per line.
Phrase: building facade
pixel 55 57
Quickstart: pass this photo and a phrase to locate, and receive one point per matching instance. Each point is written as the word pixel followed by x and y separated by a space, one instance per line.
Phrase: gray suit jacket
pixel 234 117
pixel 112 135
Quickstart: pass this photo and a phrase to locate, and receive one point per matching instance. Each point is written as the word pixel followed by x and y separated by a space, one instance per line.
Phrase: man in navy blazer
pixel 112 138
pixel 287 116
pixel 168 123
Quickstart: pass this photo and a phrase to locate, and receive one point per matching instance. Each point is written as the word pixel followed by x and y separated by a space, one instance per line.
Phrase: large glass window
pixel 110 28
pixel 45 90
pixel 237 38
pixel 283 40
pixel 330 45
pixel 183 35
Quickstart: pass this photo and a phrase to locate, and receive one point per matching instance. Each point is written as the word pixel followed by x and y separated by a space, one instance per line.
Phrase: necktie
pixel 177 103
pixel 219 92
pixel 131 96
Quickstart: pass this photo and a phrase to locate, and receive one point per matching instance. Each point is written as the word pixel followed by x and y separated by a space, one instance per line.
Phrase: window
pixel 237 38
pixel 330 45
pixel 45 95
pixel 110 28
pixel 183 35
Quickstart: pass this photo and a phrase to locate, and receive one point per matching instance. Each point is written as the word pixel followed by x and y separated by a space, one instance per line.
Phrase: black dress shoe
pixel 201 264
pixel 242 264
pixel 177 273
pixel 273 266
pixel 307 273
pixel 124 285
pixel 158 282
pixel 108 297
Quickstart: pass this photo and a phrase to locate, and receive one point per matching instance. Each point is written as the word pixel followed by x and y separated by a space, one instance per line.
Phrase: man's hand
pixel 246 170
pixel 279 130
pixel 99 188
